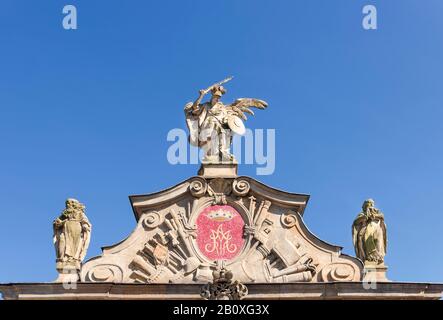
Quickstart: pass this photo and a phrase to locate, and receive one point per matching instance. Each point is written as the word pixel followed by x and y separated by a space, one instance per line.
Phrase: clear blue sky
pixel 357 114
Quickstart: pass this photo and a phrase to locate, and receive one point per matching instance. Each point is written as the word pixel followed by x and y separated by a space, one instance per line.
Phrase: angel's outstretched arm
pixel 196 105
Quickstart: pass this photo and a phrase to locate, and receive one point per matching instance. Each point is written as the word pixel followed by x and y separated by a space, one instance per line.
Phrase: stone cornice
pixel 314 291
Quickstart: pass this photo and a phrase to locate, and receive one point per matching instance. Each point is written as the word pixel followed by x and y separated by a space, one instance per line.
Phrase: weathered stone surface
pixel 369 234
pixel 258 231
pixel 212 124
pixel 218 170
pixel 220 236
pixel 256 291
pixel 223 287
pixel 165 258
pixel 374 272
pixel 72 233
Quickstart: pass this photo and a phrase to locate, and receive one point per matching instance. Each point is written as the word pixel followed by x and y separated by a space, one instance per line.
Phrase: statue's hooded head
pixel 368 204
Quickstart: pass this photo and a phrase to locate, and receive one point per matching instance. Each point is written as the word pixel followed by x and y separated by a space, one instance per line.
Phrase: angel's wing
pixel 241 106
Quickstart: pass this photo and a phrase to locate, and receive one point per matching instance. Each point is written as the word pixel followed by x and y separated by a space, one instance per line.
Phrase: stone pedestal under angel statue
pixel 72 231
pixel 212 124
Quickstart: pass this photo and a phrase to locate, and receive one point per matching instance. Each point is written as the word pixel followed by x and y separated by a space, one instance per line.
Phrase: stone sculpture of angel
pixel 212 124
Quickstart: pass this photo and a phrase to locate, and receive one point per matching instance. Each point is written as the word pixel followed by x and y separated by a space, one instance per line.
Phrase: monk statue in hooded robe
pixel 369 234
pixel 72 231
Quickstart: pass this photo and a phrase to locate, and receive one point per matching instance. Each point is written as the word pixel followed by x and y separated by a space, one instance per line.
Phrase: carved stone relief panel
pixel 184 232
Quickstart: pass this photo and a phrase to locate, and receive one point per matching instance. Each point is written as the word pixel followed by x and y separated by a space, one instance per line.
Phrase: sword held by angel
pixel 212 123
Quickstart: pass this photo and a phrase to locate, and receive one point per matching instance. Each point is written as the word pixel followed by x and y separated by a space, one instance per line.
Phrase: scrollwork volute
pixel 240 187
pixel 198 187
pixel 288 219
pixel 105 273
pixel 152 219
pixel 338 272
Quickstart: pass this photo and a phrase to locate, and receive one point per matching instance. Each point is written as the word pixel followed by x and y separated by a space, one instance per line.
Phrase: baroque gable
pixel 256 231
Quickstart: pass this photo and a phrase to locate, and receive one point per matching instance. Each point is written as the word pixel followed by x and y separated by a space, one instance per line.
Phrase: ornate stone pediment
pixel 256 230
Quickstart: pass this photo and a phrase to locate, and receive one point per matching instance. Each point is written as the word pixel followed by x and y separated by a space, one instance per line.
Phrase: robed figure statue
pixel 369 234
pixel 71 237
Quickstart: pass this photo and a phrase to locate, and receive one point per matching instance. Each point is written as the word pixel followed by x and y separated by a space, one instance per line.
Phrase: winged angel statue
pixel 212 123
